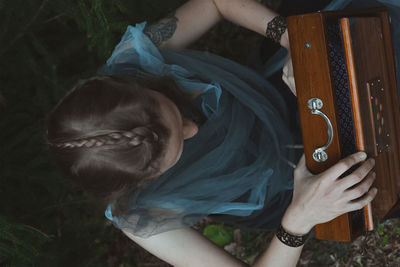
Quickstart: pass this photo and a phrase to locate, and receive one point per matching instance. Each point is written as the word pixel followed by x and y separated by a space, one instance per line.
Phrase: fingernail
pixel 374 174
pixel 375 190
pixel 372 161
pixel 362 155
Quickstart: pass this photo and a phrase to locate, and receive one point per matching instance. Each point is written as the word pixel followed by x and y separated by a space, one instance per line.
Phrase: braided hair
pixel 134 137
pixel 107 134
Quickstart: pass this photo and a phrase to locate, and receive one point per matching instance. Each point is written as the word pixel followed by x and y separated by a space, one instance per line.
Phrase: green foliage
pixel 45 47
pixel 219 234
pixel 380 229
pixel 19 244
pixel 384 236
pixel 385 240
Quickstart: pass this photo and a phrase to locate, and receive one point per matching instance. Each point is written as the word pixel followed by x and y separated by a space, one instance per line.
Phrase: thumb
pixel 301 167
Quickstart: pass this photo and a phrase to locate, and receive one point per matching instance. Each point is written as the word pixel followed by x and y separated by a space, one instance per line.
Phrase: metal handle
pixel 315 104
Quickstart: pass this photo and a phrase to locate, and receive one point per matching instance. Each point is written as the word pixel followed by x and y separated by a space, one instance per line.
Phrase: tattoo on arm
pixel 161 31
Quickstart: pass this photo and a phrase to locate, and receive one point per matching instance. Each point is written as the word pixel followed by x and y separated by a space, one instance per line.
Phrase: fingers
pixel 357 176
pixel 363 201
pixel 289 81
pixel 301 168
pixel 343 165
pixel 302 162
pixel 360 189
pixel 285 68
pixel 285 80
pixel 287 75
pixel 292 86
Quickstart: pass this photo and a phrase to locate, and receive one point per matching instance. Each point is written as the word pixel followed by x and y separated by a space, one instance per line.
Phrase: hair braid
pixel 108 134
pixel 134 137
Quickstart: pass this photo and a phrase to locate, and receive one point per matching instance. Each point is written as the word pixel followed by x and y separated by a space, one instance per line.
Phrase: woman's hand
pixel 284 42
pixel 321 198
pixel 287 73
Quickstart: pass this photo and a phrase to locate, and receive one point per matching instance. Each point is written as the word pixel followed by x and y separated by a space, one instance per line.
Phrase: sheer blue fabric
pixel 237 163
pixel 238 150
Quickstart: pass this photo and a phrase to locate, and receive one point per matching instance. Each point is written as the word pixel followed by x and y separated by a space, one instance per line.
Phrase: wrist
pixel 295 223
pixel 289 239
pixel 276 28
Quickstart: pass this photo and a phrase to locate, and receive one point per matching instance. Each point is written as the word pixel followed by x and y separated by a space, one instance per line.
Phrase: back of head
pixel 107 134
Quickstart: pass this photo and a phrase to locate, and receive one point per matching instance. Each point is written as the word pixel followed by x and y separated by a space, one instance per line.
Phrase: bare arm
pixel 316 199
pixel 190 21
pixel 186 247
pixel 196 17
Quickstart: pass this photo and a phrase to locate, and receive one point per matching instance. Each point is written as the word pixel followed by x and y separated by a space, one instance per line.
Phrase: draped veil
pixel 237 163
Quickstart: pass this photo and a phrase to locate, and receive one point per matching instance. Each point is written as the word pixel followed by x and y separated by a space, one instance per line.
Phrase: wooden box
pixel 347 97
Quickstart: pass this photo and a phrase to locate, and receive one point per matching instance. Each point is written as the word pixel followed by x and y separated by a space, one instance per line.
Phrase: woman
pixel 122 134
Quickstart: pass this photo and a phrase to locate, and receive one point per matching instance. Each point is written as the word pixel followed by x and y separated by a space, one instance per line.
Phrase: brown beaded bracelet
pixel 275 28
pixel 289 239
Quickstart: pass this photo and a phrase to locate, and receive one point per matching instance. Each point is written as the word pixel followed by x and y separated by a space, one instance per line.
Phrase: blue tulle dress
pixel 237 164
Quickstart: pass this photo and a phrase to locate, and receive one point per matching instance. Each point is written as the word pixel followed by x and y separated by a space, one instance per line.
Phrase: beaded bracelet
pixel 275 28
pixel 289 239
